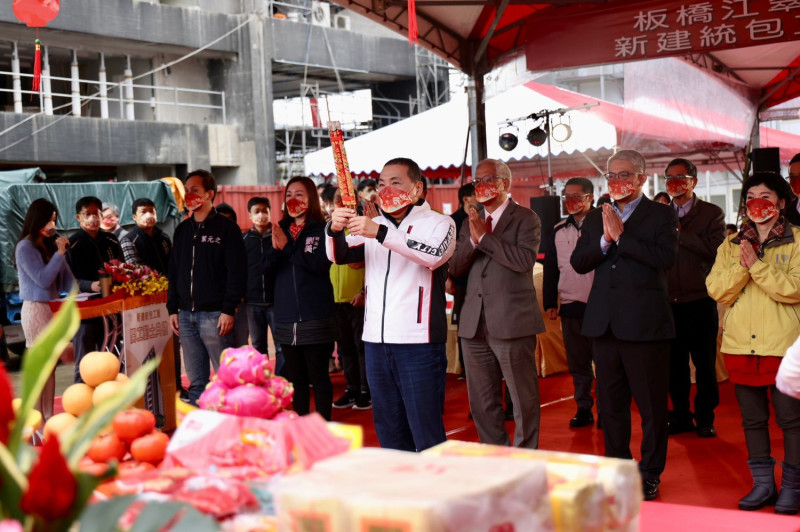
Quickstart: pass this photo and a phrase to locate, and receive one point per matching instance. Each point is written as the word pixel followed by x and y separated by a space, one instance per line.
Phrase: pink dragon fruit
pixel 281 389
pixel 250 400
pixel 244 365
pixel 213 396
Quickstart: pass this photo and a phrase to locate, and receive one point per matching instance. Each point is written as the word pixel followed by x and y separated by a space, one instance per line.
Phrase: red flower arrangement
pixel 134 279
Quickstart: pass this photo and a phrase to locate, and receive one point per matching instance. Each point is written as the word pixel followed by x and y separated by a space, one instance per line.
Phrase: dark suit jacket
pixel 702 232
pixel 500 273
pixel 629 293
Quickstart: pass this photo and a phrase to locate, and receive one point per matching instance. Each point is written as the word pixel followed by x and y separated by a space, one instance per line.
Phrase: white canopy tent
pixel 438 137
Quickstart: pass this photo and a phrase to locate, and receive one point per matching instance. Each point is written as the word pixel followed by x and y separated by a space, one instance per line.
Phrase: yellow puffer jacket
pixel 764 301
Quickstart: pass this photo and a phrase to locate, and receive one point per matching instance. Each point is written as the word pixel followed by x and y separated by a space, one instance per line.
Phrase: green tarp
pixel 26 175
pixel 15 199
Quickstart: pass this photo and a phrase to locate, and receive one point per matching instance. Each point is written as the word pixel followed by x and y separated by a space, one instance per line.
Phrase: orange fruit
pixel 58 424
pixel 105 390
pixel 121 377
pixel 77 399
pixel 97 367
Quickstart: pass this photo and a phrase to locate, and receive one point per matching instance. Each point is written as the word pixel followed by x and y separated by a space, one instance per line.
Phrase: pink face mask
pixel 760 210
pixel 392 199
pixel 296 207
pixel 193 201
pixel 619 189
pixel 574 206
pixel 486 192
pixel 677 187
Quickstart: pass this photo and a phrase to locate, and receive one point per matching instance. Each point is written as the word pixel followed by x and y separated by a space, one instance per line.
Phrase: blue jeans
pixel 260 317
pixel 407 383
pixel 201 344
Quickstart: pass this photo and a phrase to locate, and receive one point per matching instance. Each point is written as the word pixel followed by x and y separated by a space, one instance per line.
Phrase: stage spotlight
pixel 508 141
pixel 561 132
pixel 537 136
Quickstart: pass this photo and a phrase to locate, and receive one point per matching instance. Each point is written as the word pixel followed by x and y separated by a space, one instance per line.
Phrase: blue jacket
pixel 40 281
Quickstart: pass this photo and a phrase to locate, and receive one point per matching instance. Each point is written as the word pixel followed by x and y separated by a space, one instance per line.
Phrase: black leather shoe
pixel 650 488
pixel 707 432
pixel 583 418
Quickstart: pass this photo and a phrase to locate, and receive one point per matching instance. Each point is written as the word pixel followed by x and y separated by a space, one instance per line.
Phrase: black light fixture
pixel 537 136
pixel 508 140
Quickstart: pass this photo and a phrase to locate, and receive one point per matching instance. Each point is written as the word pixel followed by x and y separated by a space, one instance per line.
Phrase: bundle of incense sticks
pixel 342 167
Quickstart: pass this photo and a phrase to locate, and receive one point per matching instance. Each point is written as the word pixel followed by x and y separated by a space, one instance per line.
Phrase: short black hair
pixel 412 168
pixel 86 201
pixel 226 210
pixel 141 202
pixel 364 183
pixel 209 181
pixel 465 191
pixel 691 169
pixel 795 159
pixel 664 195
pixel 585 184
pixel 773 181
pixel 328 193
pixel 732 227
pixel 258 200
pixel 605 198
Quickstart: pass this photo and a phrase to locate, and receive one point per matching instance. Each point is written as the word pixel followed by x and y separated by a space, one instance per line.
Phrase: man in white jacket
pixel 405 250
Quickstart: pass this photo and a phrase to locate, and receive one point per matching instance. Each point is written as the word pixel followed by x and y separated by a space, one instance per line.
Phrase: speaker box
pixel 766 160
pixel 549 210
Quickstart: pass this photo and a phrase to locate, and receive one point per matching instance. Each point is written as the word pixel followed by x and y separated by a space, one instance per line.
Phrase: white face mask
pixel 148 219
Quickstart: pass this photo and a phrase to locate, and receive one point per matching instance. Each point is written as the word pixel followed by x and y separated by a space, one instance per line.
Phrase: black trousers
pixel 639 370
pixel 579 360
pixel 696 327
pixel 349 328
pixel 754 405
pixel 308 364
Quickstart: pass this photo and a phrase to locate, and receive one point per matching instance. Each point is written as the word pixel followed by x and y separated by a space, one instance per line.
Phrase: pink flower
pixel 7 525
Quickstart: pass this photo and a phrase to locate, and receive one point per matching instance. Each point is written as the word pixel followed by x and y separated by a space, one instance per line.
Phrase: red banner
pixel 616 32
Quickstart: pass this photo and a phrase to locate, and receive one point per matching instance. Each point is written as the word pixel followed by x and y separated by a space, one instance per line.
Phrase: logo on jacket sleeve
pixel 430 250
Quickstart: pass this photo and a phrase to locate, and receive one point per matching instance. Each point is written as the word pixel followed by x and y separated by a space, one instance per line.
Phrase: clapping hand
pixel 477 227
pixel 279 239
pixel 612 224
pixel 748 255
pixel 370 210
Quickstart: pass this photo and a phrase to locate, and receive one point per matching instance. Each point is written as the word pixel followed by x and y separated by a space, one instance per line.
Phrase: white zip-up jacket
pixel 405 273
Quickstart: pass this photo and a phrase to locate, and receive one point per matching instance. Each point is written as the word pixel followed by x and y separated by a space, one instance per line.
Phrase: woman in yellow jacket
pixel 757 274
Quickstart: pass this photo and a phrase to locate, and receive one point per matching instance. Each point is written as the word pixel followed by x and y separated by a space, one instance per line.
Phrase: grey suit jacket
pixel 500 272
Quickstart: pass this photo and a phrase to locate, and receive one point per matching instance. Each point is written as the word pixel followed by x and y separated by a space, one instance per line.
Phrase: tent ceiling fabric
pixel 755 41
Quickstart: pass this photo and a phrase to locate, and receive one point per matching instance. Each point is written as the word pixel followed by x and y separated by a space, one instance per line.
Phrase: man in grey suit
pixel 500 317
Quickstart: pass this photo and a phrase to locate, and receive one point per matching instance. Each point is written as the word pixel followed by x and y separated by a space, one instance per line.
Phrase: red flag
pixel 315 121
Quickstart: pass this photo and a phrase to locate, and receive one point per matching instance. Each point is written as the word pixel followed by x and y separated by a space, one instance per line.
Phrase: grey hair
pixel 111 206
pixel 632 156
pixel 501 169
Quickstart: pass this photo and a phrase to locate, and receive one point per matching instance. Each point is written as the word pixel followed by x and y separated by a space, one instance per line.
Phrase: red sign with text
pixel 619 31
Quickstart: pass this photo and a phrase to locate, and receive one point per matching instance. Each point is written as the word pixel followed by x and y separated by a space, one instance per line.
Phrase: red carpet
pixel 700 472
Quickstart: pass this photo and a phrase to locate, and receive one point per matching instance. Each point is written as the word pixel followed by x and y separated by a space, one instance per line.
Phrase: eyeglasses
pixel 681 176
pixel 575 197
pixel 620 175
pixel 487 179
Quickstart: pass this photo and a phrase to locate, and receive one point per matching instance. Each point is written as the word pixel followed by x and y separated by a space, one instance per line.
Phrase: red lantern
pixel 36 14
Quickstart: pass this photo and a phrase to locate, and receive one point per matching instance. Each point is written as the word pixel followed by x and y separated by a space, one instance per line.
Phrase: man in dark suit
pixel 630 245
pixel 702 230
pixel 500 317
